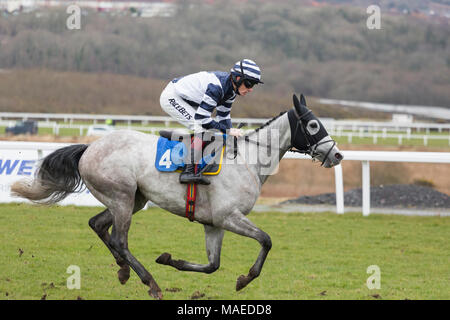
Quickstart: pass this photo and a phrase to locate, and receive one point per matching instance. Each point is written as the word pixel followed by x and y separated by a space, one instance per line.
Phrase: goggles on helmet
pixel 249 83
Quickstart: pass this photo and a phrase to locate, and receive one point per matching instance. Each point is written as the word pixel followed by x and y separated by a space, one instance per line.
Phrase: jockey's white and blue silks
pixel 206 91
pixel 249 67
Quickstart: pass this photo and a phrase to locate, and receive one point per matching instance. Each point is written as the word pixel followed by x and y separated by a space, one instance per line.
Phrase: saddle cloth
pixel 170 157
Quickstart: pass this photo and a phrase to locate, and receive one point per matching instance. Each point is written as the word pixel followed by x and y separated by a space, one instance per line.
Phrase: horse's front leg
pixel 238 223
pixel 213 239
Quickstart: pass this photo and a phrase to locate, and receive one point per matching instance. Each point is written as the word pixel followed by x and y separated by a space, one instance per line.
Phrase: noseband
pixel 311 148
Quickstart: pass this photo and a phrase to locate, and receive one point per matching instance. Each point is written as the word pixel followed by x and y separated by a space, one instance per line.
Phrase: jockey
pixel 191 100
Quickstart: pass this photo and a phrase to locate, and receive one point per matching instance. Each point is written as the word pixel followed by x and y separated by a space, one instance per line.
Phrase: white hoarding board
pixel 18 164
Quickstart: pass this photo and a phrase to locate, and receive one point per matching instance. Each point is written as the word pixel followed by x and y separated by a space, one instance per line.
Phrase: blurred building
pixel 147 8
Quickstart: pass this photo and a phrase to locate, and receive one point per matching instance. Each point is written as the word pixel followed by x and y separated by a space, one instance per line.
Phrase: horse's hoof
pixel 155 292
pixel 164 258
pixel 241 282
pixel 124 275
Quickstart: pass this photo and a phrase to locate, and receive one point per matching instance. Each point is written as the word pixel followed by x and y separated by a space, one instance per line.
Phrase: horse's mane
pixel 268 122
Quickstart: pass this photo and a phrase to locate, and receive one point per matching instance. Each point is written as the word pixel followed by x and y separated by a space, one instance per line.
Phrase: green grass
pixel 312 253
pixel 441 143
pixel 393 141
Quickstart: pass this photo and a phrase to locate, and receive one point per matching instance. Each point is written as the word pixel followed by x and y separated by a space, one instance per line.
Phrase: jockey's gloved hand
pixel 235 132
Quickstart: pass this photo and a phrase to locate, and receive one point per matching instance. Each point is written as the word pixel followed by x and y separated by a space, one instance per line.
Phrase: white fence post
pixel 366 187
pixel 339 181
pixel 384 156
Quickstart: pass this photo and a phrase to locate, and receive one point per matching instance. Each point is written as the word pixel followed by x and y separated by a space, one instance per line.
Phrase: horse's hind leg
pixel 101 224
pixel 119 242
pixel 213 239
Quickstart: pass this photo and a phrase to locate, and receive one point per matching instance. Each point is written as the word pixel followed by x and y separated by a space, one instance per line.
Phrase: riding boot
pixel 189 175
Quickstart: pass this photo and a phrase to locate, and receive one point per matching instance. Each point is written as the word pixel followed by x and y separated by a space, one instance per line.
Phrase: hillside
pixel 323 51
pixel 41 90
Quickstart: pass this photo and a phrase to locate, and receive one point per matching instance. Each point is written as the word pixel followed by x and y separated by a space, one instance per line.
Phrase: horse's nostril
pixel 339 156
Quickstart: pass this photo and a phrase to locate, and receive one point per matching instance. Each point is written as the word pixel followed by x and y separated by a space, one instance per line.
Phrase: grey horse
pixel 119 170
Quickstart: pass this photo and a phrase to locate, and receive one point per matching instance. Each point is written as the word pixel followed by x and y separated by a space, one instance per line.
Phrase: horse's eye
pixel 313 127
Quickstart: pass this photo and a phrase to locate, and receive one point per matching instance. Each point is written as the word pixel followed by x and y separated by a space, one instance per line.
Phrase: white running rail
pixel 368 156
pixel 364 156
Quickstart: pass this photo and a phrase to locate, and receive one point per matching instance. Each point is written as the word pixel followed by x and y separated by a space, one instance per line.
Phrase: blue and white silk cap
pixel 250 69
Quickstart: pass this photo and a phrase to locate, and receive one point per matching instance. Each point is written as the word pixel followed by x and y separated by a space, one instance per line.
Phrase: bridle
pixel 311 148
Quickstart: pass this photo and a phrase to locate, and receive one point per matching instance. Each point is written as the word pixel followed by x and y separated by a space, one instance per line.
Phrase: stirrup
pixel 187 178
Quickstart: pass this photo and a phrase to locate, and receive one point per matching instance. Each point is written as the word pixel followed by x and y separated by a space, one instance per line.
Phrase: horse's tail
pixel 56 177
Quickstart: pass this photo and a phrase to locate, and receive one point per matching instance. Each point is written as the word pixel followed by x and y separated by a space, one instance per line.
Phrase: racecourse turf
pixel 314 256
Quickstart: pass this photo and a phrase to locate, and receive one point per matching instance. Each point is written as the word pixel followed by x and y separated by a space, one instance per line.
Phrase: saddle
pixel 172 135
pixel 172 149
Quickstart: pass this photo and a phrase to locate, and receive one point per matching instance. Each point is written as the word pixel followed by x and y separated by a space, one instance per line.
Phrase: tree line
pixel 324 51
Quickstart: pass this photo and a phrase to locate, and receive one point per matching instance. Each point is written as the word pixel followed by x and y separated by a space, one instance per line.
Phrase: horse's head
pixel 308 135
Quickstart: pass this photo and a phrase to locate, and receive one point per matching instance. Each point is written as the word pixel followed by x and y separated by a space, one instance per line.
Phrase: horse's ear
pixel 302 100
pixel 296 103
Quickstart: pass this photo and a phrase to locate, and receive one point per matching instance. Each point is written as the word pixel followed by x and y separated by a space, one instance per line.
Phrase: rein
pixel 311 149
